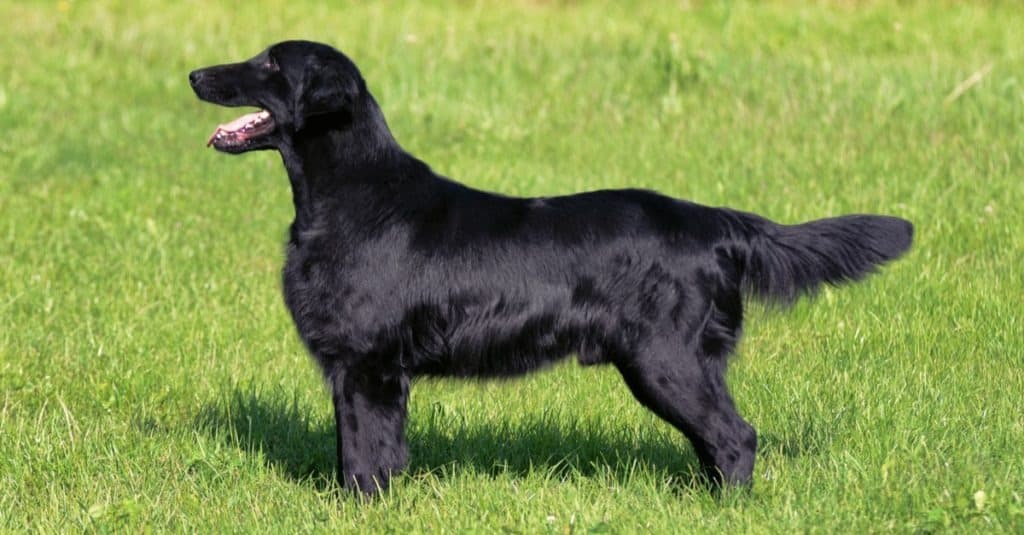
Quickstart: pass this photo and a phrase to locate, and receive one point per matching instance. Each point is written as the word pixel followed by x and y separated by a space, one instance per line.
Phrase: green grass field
pixel 151 379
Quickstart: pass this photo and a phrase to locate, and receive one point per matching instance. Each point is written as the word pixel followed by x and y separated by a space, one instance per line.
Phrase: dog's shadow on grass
pixel 283 434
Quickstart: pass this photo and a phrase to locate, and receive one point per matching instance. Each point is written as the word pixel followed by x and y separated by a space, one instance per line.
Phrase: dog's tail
pixel 782 262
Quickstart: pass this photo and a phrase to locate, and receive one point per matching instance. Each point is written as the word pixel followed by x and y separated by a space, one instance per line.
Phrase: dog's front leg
pixel 369 414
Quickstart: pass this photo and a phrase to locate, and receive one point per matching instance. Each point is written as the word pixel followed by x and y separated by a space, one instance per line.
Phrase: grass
pixel 150 377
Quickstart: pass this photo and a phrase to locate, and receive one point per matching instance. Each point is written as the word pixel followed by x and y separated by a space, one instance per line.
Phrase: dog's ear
pixel 326 87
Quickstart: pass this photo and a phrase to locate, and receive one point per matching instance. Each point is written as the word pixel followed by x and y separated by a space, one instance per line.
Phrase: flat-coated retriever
pixel 393 271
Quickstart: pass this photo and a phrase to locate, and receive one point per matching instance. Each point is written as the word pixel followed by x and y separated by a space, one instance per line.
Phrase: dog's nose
pixel 195 76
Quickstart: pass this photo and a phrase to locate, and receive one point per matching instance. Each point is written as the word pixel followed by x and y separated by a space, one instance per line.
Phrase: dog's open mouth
pixel 242 131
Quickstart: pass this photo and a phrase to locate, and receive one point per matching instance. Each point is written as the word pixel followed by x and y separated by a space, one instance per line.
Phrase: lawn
pixel 150 377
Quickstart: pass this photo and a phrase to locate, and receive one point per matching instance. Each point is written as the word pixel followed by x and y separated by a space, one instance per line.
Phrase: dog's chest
pixel 314 291
pixel 335 300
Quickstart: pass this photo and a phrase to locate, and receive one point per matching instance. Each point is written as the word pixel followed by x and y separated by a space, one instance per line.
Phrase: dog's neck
pixel 335 151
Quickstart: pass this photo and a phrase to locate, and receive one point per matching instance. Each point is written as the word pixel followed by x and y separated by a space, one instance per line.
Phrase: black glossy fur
pixel 394 271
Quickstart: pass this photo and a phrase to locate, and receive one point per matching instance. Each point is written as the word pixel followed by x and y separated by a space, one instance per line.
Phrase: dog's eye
pixel 271 65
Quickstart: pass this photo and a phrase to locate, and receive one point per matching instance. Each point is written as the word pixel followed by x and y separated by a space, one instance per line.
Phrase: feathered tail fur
pixel 783 262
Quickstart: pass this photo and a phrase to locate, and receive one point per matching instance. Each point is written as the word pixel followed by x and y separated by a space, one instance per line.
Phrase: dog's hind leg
pixel 369 413
pixel 689 392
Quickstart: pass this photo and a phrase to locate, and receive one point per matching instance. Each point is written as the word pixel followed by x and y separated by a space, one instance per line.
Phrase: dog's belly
pixel 490 321
pixel 477 334
pixel 488 341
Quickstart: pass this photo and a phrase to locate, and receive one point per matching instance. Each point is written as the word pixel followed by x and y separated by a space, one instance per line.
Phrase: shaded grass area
pixel 150 376
pixel 282 433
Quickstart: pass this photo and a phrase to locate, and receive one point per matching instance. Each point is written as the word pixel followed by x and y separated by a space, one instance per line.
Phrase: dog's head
pixel 293 83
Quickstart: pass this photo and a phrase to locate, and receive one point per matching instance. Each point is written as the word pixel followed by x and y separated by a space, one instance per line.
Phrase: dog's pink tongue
pixel 235 125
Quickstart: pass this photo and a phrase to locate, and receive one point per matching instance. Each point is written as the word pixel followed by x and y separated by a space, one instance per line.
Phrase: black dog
pixel 394 271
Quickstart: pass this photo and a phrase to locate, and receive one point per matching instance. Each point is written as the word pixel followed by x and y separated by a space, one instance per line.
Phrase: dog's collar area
pixel 241 130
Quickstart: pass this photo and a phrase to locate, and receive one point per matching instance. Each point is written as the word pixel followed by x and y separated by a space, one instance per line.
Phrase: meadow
pixel 151 379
